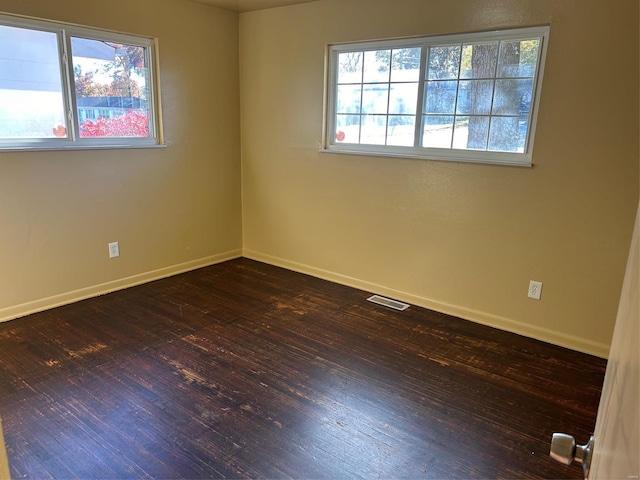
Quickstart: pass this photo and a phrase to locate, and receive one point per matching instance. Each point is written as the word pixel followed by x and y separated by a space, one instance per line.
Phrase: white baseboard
pixel 551 336
pixel 39 305
pixel 546 335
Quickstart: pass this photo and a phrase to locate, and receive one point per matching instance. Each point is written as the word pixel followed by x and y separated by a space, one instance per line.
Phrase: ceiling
pixel 250 5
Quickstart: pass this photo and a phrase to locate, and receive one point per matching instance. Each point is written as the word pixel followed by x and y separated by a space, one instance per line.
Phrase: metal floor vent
pixel 387 302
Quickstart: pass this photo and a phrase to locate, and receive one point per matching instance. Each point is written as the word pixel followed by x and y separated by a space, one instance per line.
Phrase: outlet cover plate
pixel 535 289
pixel 114 250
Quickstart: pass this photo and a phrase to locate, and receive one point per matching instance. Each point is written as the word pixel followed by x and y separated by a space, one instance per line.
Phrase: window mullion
pixel 360 113
pixel 419 128
pixel 149 53
pixel 493 95
pixel 331 110
pixel 68 86
pixel 386 128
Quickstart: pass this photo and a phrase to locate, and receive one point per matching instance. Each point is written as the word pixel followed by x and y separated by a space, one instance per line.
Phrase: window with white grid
pixel 470 97
pixel 65 86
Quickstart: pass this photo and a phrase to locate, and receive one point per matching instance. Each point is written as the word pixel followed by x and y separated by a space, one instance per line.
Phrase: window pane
pixel 437 131
pixel 512 97
pixel 111 88
pixel 506 134
pixel 440 97
pixel 444 62
pixel 348 128
pixel 350 67
pixel 474 97
pixel 471 133
pixel 349 97
pixel 31 101
pixel 529 57
pixel 375 98
pixel 405 65
pixel 373 129
pixel 403 98
pixel 376 66
pixel 479 60
pixel 401 130
pixel 518 59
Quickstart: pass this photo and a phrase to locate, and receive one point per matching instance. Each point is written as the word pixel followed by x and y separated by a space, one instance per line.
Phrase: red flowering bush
pixel 131 124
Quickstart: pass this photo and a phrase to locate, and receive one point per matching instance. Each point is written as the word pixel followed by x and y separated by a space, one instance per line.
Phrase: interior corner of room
pixel 243 172
pixel 242 106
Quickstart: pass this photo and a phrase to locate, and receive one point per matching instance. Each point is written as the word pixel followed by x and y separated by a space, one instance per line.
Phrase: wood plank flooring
pixel 245 370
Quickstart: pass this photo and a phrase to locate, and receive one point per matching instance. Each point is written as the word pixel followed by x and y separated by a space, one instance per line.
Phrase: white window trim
pixel 65 31
pixel 446 154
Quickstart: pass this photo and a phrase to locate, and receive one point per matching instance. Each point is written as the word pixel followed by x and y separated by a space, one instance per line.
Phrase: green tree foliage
pixel 444 62
pixel 350 62
pixel 86 85
pixel 128 60
pixel 399 59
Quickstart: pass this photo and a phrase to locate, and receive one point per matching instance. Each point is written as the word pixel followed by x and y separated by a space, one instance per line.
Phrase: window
pixel 64 86
pixel 466 97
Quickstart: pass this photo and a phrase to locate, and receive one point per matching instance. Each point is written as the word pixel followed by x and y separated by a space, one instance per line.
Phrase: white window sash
pixel 73 140
pixel 417 151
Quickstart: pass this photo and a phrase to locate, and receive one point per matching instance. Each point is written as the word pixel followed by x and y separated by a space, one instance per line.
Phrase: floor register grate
pixel 387 302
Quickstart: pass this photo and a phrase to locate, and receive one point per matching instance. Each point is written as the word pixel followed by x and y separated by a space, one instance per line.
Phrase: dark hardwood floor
pixel 245 370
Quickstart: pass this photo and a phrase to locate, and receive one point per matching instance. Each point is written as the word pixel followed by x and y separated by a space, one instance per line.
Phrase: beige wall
pixel 170 209
pixel 460 238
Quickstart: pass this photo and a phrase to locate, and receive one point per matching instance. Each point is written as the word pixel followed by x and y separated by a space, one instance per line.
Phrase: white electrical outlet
pixel 114 250
pixel 535 289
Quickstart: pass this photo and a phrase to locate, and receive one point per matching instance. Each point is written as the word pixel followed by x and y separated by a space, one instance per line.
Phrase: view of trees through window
pixel 376 96
pixel 468 95
pixel 110 87
pixel 49 69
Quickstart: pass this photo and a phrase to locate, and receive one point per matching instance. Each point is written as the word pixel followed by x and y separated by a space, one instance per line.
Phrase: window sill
pixel 68 148
pixel 445 157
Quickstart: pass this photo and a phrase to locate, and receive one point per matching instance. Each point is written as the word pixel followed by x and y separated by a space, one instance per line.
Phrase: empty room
pixel 319 239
